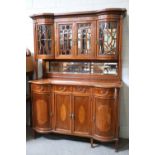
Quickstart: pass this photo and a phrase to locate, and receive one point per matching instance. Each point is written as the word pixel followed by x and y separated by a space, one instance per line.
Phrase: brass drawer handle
pixel 72 116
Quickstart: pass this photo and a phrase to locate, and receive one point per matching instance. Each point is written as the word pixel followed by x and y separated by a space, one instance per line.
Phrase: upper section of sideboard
pixel 77 37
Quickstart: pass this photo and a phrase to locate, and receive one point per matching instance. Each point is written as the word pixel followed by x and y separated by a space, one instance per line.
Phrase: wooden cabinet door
pixel 85 39
pixel 103 118
pixel 41 111
pixel 107 39
pixel 44 40
pixel 82 116
pixel 64 40
pixel 62 102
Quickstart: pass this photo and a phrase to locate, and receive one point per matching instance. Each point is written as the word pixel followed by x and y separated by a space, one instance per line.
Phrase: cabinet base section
pixel 116 140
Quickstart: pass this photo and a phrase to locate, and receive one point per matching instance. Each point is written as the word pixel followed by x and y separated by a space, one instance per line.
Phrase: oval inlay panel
pixel 103 118
pixel 81 114
pixel 41 108
pixel 63 112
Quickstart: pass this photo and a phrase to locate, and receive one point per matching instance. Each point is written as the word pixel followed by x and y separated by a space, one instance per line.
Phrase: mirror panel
pixel 99 68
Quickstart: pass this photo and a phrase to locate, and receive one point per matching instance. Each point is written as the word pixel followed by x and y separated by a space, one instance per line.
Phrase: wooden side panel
pixel 62 112
pixel 104 120
pixel 82 109
pixel 41 111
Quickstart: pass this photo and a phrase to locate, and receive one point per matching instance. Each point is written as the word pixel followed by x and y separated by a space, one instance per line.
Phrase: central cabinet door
pixel 63 112
pixel 82 110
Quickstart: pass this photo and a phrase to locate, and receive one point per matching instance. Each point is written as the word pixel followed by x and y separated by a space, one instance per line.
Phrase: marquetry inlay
pixel 81 114
pixel 40 88
pixel 81 89
pixel 63 112
pixel 41 108
pixel 63 88
pixel 103 123
pixel 104 92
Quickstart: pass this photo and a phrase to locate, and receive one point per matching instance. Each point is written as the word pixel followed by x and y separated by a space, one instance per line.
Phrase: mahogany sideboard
pixel 78 93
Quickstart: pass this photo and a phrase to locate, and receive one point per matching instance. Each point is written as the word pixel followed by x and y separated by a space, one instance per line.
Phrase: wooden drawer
pixel 82 89
pixel 104 92
pixel 40 88
pixel 62 88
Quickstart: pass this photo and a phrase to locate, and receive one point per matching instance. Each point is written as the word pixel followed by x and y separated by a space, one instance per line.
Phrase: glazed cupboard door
pixel 44 41
pixel 62 104
pixel 85 39
pixel 81 100
pixel 41 111
pixel 107 39
pixel 64 40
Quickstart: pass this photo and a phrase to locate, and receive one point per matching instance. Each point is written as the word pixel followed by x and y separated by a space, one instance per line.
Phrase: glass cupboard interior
pixel 84 38
pixel 44 40
pixel 65 39
pixel 107 38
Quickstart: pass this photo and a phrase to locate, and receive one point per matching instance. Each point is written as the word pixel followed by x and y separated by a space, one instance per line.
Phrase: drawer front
pixel 82 89
pixel 104 92
pixel 40 88
pixel 63 88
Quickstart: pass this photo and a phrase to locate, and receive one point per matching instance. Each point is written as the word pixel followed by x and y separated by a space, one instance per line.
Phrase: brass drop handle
pixel 72 116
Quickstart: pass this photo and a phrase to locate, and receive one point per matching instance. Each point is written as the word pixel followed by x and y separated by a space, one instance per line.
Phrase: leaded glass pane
pixel 84 38
pixel 107 38
pixel 65 39
pixel 44 39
